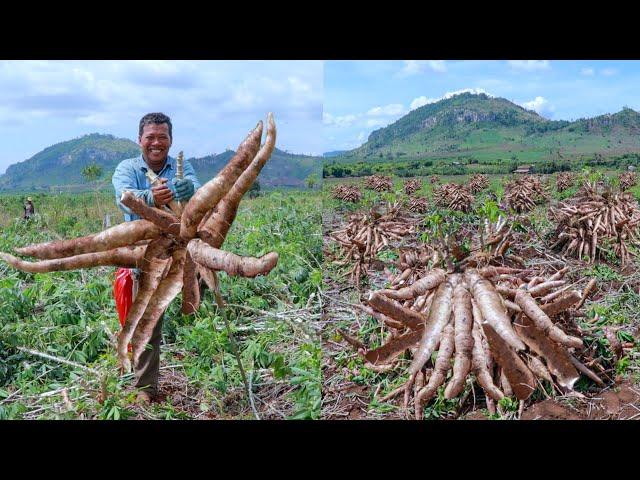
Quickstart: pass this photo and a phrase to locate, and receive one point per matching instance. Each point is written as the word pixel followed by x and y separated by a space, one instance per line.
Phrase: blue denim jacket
pixel 130 175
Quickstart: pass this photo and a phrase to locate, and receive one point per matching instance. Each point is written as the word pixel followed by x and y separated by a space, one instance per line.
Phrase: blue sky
pixel 212 104
pixel 362 96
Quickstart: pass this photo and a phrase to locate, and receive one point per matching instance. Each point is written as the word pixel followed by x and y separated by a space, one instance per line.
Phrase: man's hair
pixel 157 119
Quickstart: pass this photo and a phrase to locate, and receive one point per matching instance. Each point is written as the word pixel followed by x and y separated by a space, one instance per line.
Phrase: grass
pixel 72 316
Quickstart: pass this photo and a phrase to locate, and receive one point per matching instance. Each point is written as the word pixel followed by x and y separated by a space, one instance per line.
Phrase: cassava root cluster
pixel 347 193
pixel 495 323
pixel 379 183
pixel 595 220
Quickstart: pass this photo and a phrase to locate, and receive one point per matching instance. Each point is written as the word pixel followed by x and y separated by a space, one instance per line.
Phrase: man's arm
pixel 124 178
pixel 190 173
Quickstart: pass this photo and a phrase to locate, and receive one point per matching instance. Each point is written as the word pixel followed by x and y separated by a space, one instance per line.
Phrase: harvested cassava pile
pixel 412 186
pixel 170 250
pixel 596 221
pixel 628 180
pixel 434 179
pixel 478 183
pixel 413 264
pixel 418 204
pixel 497 320
pixel 347 193
pixel 522 194
pixel 564 180
pixel 366 234
pixel 453 196
pixel 492 246
pixel 379 183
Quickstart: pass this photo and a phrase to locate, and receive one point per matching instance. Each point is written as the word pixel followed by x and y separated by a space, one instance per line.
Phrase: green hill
pixel 470 129
pixel 59 167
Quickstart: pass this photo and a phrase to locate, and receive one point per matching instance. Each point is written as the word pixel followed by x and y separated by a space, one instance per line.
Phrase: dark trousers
pixel 147 372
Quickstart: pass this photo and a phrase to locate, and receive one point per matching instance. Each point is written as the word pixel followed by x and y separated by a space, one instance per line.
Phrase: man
pixel 29 209
pixel 154 138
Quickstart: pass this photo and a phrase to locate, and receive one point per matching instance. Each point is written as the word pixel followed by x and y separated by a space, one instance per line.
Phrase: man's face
pixel 155 142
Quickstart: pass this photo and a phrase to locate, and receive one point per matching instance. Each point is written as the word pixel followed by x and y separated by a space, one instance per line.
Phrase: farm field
pixel 58 331
pixel 366 364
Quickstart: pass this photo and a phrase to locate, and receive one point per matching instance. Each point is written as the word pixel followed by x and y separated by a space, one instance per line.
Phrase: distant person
pixel 154 138
pixel 29 209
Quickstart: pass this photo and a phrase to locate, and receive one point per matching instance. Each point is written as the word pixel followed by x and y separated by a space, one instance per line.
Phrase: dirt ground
pixel 179 395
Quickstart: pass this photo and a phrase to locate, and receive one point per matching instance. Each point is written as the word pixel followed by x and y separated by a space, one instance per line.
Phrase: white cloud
pixel 607 72
pixel 362 137
pixel 391 109
pixel 539 104
pixel 422 100
pixel 413 67
pixel 376 122
pixel 339 121
pixel 529 65
pixel 588 72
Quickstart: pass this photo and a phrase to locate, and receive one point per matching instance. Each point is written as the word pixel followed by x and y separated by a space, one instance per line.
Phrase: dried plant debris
pixel 170 249
pixel 565 180
pixel 411 186
pixel 366 234
pixel 434 179
pixel 495 323
pixel 379 183
pixel 347 193
pixel 453 196
pixel 595 222
pixel 522 194
pixel 478 182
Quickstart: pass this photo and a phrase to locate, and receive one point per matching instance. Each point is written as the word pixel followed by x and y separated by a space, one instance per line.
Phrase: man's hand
pixel 161 193
pixel 184 189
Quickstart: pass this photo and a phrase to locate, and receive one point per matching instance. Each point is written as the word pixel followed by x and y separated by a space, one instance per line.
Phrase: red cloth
pixel 123 292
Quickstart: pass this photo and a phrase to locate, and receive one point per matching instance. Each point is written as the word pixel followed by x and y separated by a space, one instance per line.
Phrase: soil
pixel 621 402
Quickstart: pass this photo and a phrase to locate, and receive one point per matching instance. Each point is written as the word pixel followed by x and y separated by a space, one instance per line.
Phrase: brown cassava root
pixel 522 194
pixel 453 196
pixel 347 193
pixel 379 183
pixel 171 251
pixel 509 352
pixel 596 221
pixel 368 233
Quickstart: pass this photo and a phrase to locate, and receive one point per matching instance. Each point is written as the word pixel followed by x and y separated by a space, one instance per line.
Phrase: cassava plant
pixel 524 193
pixel 368 233
pixel 478 182
pixel 379 183
pixel 347 193
pixel 418 204
pixel 453 196
pixel 171 251
pixel 628 180
pixel 595 219
pixel 497 320
pixel 412 185
pixel 564 180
